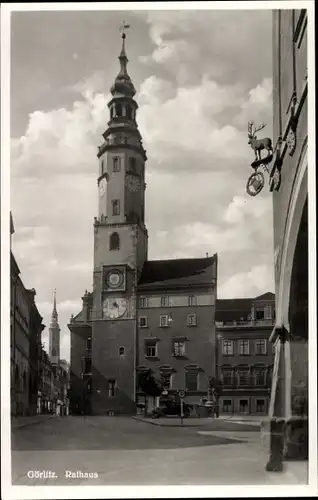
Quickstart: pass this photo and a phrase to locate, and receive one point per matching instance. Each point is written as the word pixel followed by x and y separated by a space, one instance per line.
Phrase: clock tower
pixel 120 249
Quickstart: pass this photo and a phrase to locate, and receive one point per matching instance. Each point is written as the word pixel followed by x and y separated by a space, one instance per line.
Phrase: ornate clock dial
pixel 114 279
pixel 115 307
pixel 132 183
pixel 102 186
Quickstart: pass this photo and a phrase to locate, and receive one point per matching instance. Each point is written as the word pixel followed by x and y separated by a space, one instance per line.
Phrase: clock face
pixel 132 183
pixel 115 307
pixel 102 186
pixel 115 279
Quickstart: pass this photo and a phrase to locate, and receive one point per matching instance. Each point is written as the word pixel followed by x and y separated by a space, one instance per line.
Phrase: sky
pixel 200 77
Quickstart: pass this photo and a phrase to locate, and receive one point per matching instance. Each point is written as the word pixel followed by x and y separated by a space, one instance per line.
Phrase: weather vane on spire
pixel 124 26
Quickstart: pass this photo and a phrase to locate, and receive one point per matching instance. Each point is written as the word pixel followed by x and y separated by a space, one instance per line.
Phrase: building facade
pixel 289 396
pixel 25 342
pixel 176 324
pixel 244 355
pixel 108 337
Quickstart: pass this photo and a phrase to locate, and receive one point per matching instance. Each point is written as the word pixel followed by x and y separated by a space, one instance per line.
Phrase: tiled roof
pixel 233 309
pixel 238 309
pixel 178 272
pixel 265 296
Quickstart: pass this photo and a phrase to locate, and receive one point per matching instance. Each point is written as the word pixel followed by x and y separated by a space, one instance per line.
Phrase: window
pixel 89 344
pixel 87 365
pixel 227 377
pixel 164 301
pixel 178 348
pixel 143 322
pixel 164 321
pixel 132 164
pixel 192 300
pixel 227 405
pixel 166 381
pixel 116 164
pixel 259 314
pixel 244 347
pixel 243 377
pixel 143 302
pixel 260 406
pixel 260 376
pixel 191 381
pixel 129 112
pixel 260 346
pixel 102 166
pixel 119 111
pixel 243 406
pixel 116 209
pixel 192 320
pixel 227 348
pixel 111 388
pixel 151 349
pixel 114 241
pixel 121 351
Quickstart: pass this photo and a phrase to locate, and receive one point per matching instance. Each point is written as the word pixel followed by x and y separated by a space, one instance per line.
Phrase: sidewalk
pixel 17 422
pixel 173 421
pixel 250 420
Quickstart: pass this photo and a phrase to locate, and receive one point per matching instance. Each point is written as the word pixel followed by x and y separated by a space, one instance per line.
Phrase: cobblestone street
pixel 122 450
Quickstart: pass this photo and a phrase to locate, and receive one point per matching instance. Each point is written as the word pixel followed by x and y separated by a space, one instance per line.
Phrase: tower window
pixel 132 164
pixel 119 111
pixel 129 112
pixel 111 388
pixel 116 164
pixel 114 241
pixel 102 166
pixel 116 208
pixel 89 344
pixel 121 351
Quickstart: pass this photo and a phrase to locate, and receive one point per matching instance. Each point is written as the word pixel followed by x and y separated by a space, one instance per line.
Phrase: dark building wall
pixel 109 366
pixel 79 393
pixel 289 79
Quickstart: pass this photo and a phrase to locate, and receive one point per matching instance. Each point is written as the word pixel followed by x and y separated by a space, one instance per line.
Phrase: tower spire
pixel 123 84
pixel 123 59
pixel 54 312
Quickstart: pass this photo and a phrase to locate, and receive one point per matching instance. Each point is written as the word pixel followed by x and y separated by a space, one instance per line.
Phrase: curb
pixel 26 424
pixel 158 424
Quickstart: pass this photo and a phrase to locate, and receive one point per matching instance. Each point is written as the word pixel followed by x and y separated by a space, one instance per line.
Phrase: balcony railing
pixel 249 323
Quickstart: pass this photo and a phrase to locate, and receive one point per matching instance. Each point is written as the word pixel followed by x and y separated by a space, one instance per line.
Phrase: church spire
pixel 54 319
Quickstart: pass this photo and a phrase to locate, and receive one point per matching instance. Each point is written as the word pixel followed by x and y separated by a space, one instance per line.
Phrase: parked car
pixel 169 408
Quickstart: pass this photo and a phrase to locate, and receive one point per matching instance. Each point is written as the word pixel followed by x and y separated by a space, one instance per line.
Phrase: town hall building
pixel 140 314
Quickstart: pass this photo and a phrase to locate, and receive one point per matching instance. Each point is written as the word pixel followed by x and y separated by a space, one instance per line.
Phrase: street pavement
pixel 125 451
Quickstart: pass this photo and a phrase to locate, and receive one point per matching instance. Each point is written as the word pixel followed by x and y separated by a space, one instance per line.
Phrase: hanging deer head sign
pixel 258 144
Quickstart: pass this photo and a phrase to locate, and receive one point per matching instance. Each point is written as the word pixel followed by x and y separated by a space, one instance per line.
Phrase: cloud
pixel 227 45
pixel 201 87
